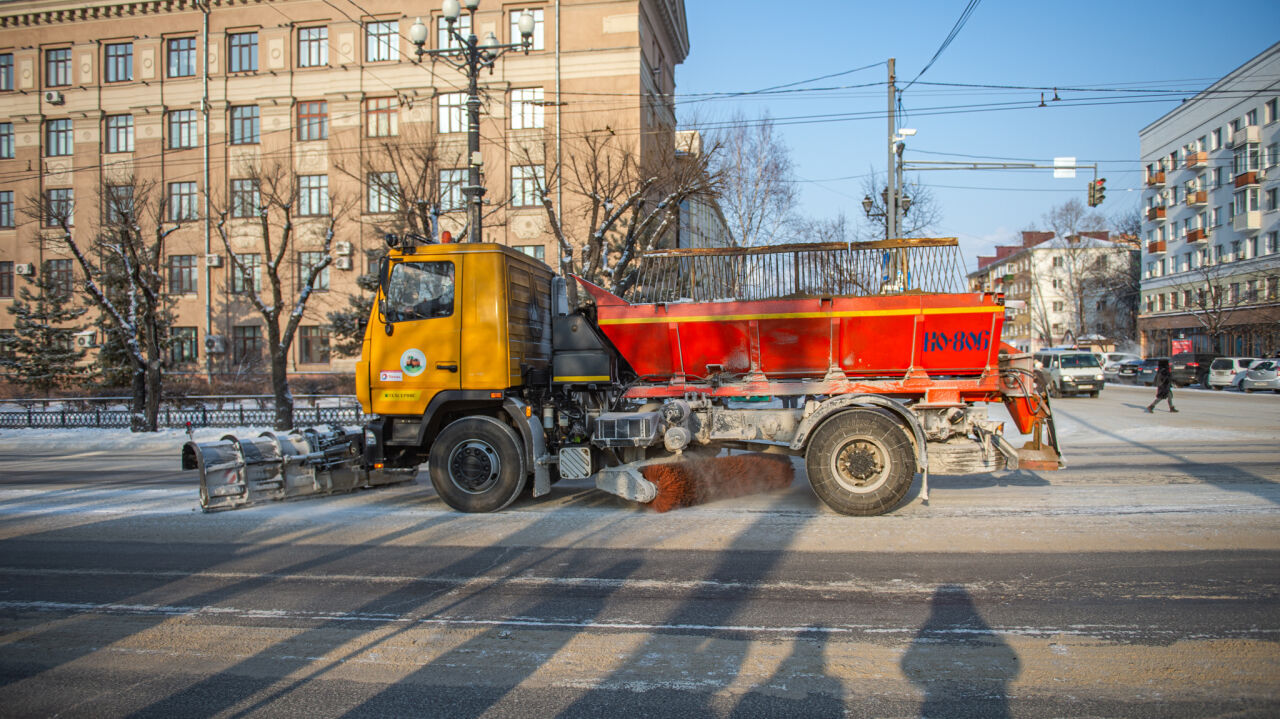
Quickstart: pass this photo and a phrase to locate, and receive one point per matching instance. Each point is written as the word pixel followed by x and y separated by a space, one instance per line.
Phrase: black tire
pixel 476 465
pixel 860 462
pixel 1216 387
pixel 1094 394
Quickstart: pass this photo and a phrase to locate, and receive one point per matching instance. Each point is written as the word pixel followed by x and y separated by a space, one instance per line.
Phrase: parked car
pixel 1239 378
pixel 1111 364
pixel 1191 367
pixel 1147 373
pixel 1070 372
pixel 1127 371
pixel 1262 376
pixel 1223 371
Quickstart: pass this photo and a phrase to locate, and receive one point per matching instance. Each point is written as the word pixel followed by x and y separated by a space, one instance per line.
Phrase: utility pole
pixel 891 196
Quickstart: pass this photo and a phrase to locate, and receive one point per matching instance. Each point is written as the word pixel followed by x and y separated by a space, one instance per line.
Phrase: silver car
pixel 1262 376
pixel 1223 371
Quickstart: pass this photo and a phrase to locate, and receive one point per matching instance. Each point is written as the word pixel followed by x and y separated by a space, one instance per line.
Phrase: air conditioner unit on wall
pixel 85 340
pixel 342 263
pixel 213 260
pixel 342 248
pixel 54 97
pixel 215 344
pixel 25 268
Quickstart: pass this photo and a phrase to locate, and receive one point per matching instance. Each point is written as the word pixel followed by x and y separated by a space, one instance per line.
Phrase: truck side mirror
pixel 384 274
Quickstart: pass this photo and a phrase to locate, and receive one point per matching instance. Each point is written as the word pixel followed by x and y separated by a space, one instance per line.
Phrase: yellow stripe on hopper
pixel 800 315
pixel 583 378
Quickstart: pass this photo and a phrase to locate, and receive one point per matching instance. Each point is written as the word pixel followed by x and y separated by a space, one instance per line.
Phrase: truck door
pixel 422 355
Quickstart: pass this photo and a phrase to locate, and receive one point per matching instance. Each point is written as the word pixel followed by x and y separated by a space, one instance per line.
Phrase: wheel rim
pixel 474 467
pixel 860 465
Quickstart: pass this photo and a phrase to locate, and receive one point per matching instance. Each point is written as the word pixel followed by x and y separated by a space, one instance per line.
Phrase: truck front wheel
pixel 860 462
pixel 475 465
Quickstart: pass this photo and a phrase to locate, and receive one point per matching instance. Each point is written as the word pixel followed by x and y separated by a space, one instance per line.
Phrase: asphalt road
pixel 1140 581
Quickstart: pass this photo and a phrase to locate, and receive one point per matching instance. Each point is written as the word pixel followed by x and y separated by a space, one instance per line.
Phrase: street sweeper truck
pixel 867 360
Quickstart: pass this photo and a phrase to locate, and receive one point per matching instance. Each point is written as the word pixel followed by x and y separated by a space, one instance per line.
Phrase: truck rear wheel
pixel 475 465
pixel 860 462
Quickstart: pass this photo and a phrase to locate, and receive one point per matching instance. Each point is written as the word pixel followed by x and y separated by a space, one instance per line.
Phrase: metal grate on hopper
pixel 882 267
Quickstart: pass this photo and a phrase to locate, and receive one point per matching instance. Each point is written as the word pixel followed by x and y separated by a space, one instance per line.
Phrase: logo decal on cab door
pixel 413 362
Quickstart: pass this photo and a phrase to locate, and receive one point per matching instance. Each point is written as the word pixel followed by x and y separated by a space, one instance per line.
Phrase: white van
pixel 1070 372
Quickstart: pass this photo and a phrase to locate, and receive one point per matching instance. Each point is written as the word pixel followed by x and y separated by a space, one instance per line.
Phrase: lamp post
pixel 470 56
pixel 896 206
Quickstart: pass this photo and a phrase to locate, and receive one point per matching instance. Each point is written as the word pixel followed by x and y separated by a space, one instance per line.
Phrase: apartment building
pixel 1211 255
pixel 1061 290
pixel 193 97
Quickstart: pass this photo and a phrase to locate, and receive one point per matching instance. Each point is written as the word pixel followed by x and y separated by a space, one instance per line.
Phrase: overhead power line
pixel 955 30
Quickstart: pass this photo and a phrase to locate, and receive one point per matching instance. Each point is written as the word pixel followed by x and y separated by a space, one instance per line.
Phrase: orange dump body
pixel 890 337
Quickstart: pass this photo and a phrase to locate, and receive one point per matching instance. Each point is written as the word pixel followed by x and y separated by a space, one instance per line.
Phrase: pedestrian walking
pixel 1164 387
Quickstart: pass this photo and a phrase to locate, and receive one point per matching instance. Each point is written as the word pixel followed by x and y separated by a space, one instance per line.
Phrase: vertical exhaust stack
pixel 238 472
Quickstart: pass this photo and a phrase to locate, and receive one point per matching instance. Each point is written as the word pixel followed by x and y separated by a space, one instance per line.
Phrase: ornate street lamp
pixel 471 55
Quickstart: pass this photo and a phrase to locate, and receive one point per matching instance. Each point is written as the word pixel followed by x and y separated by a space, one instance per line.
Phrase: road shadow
pixel 962 665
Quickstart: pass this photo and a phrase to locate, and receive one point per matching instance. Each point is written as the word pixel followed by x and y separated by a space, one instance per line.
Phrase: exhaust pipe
pixel 237 472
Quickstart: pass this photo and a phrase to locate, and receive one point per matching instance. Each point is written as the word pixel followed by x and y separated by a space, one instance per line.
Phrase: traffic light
pixel 1097 192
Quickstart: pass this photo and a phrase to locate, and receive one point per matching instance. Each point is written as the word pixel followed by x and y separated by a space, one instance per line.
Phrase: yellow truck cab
pixel 453 329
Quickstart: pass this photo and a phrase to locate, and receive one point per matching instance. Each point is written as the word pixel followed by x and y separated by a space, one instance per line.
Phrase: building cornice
pixel 55 12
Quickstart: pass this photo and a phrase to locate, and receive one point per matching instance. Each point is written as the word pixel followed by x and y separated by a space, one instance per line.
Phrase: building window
pixel 1269 111
pixel 244 125
pixel 313 345
pixel 6 140
pixel 384 192
pixel 381 116
pixel 6 71
pixel 1251 117
pixel 182 274
pixel 119 133
pixel 243 52
pixel 6 208
pixel 380 41
pixel 1270 203
pixel 245 198
pixel 453 112
pixel 182 201
pixel 58 138
pixel 526 185
pixel 182 345
pixel 313 120
pixel 1273 242
pixel 537 252
pixel 57 67
pixel 307 261
pixel 182 57
pixel 246 274
pixel 313 47
pixel 526 108
pixel 182 129
pixel 60 277
pixel 6 279
pixel 119 62
pixel 59 207
pixel 1273 154
pixel 313 195
pixel 451 184
pixel 1217 216
pixel 538 33
pixel 117 207
pixel 246 344
pixel 446 41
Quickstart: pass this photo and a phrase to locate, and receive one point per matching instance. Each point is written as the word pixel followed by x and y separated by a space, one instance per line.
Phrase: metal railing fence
pixel 200 411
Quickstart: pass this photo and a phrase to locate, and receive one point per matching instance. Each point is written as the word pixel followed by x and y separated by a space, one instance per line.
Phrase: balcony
pixel 1245 135
pixel 1155 214
pixel 1245 179
pixel 1197 159
pixel 1197 235
pixel 1247 222
pixel 1155 179
pixel 1197 198
pixel 1154 247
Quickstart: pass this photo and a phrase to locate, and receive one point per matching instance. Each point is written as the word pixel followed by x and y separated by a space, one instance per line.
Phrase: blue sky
pixel 747 45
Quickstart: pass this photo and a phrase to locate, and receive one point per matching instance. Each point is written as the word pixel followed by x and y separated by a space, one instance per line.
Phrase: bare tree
pixel 282 211
pixel 626 208
pixel 1217 299
pixel 758 191
pixel 124 276
pixel 922 212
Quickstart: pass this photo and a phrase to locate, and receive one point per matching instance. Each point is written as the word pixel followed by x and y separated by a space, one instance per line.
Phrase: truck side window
pixel 420 290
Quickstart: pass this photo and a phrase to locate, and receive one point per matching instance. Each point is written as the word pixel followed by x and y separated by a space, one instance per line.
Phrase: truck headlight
pixel 1097 376
pixel 1068 378
pixel 370 439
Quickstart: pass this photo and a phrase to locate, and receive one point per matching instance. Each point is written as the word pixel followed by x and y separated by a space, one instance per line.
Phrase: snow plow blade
pixel 238 472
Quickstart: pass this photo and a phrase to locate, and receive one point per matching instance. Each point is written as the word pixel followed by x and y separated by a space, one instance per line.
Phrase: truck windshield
pixel 420 290
pixel 1078 361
